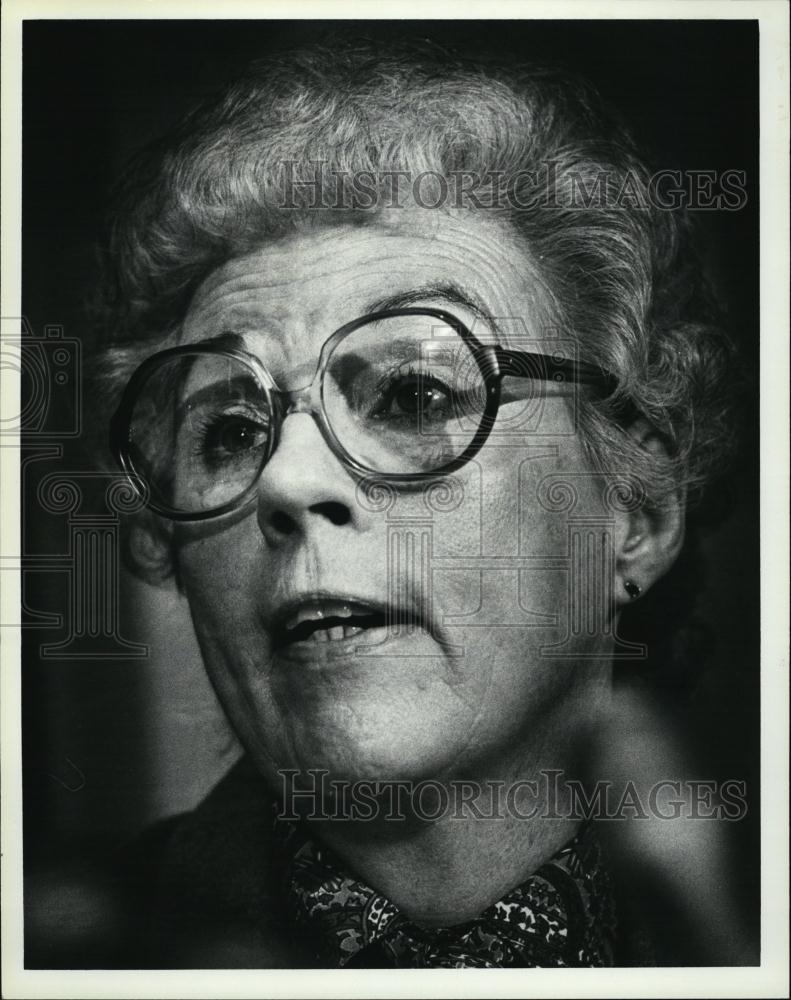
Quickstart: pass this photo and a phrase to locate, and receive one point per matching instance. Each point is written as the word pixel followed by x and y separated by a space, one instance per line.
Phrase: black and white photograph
pixel 394 516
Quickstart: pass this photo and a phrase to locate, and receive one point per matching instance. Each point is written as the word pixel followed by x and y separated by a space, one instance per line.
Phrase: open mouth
pixel 326 621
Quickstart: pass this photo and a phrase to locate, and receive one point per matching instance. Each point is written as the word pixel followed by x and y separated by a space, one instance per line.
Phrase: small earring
pixel 632 589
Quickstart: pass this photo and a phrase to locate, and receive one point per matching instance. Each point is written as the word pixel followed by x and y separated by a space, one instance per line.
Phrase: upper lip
pixel 318 605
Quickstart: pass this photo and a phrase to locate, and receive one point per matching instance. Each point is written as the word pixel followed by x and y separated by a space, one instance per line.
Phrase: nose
pixel 304 486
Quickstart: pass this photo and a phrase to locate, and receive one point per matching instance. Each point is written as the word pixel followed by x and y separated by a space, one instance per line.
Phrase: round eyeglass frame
pixel 494 363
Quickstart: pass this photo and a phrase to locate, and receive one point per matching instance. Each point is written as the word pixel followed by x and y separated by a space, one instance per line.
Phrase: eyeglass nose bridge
pixel 306 399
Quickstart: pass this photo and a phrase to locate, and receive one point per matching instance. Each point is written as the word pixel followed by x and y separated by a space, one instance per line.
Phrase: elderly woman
pixel 414 377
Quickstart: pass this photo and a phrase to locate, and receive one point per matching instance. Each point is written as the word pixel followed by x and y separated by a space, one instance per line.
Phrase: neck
pixel 449 848
pixel 487 837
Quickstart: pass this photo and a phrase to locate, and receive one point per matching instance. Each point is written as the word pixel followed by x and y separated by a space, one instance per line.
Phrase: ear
pixel 148 549
pixel 652 537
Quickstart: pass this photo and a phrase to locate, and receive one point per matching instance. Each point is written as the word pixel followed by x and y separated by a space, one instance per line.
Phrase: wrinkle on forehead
pixel 305 286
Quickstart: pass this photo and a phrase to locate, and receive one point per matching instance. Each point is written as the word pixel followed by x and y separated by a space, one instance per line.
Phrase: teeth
pixel 315 612
pixel 334 634
pixel 331 632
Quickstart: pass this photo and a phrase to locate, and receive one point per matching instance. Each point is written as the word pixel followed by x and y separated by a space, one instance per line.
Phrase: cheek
pixel 220 578
pixel 501 570
pixel 497 547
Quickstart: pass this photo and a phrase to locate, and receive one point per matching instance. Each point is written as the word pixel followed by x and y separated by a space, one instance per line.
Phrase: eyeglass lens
pixel 401 395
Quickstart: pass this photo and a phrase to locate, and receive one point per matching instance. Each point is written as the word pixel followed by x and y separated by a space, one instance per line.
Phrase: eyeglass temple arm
pixel 546 368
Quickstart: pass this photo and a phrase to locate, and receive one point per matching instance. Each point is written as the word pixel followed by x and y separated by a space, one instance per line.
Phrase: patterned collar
pixel 562 916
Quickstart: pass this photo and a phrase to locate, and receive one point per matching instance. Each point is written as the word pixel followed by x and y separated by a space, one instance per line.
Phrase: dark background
pixel 96 91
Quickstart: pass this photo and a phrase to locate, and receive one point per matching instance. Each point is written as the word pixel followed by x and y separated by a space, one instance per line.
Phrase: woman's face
pixel 486 572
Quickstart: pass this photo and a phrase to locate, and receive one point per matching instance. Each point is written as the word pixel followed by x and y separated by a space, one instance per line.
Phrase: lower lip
pixel 364 644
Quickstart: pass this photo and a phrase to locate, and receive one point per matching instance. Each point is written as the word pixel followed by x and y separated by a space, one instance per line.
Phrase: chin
pixel 364 741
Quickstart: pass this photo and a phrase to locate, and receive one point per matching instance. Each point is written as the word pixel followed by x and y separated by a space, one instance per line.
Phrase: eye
pixel 223 437
pixel 411 395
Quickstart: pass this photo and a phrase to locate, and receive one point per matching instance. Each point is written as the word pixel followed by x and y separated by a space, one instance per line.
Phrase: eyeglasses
pixel 403 394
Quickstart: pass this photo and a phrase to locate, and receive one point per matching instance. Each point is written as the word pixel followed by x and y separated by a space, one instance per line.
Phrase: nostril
pixel 282 523
pixel 338 513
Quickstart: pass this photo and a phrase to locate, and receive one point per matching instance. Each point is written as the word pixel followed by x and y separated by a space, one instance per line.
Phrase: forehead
pixel 316 280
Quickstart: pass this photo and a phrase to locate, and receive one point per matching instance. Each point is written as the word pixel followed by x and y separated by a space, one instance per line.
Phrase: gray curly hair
pixel 254 164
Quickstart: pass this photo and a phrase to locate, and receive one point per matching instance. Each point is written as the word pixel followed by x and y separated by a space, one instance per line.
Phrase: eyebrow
pixel 445 291
pixel 226 338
